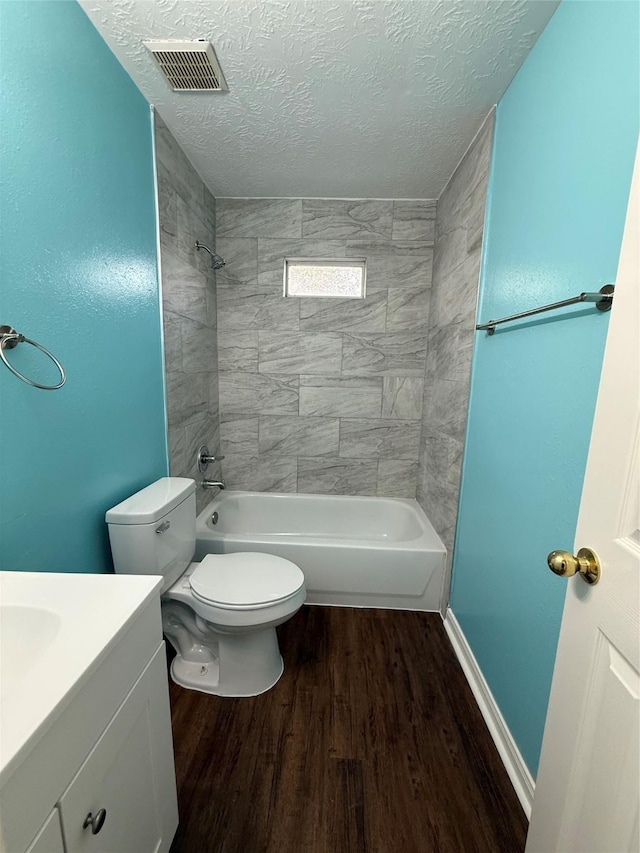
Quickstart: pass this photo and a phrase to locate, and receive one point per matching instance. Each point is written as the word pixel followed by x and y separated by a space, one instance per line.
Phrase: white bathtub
pixel 354 551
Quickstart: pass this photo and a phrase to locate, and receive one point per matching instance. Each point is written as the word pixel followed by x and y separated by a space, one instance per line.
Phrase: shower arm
pixel 200 245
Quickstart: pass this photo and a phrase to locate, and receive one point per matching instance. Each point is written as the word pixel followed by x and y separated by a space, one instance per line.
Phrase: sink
pixel 55 630
pixel 25 634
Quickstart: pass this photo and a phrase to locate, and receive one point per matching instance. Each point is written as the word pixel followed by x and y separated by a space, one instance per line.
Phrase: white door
pixel 587 792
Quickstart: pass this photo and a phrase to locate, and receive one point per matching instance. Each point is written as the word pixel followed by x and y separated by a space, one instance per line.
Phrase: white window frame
pixel 360 263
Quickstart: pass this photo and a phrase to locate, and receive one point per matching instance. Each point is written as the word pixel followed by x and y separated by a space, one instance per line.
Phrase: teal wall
pixel 78 274
pixel 565 138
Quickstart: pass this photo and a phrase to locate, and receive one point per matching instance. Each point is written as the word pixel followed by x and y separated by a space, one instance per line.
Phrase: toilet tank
pixel 154 531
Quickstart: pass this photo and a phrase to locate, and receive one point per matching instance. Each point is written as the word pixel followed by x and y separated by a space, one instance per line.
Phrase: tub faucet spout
pixel 213 484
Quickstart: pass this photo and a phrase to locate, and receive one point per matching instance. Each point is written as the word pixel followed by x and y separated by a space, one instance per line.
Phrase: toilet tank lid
pixel 153 502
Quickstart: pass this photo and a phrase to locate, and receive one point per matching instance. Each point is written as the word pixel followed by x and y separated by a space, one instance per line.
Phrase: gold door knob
pixel 586 563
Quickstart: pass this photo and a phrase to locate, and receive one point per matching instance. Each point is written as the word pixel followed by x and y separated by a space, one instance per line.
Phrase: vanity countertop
pixel 55 630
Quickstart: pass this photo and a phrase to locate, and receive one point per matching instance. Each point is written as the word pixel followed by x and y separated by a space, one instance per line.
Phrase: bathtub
pixel 354 551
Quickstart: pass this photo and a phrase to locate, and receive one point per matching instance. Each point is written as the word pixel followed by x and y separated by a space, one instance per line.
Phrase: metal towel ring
pixel 9 339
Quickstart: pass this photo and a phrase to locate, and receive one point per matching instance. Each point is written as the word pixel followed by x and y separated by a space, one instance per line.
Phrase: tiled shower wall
pixel 187 214
pixel 317 395
pixel 452 317
pixel 323 395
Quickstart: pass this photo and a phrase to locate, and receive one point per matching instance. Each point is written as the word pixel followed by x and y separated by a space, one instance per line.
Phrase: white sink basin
pixel 55 629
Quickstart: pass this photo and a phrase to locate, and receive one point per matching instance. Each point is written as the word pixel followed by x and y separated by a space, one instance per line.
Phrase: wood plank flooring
pixel 371 741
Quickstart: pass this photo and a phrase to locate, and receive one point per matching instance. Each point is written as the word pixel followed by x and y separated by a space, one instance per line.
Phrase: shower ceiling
pixel 329 98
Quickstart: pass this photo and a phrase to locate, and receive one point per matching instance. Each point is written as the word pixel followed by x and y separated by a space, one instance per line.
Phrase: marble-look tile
pixel 366 315
pixel 471 170
pixel 184 178
pixel 191 229
pixel 402 397
pixel 443 456
pixel 391 354
pixel 340 397
pixel 272 253
pixel 177 454
pixel 209 211
pixel 196 434
pixel 475 216
pixel 258 393
pixel 186 213
pixel 241 260
pixel 250 308
pixel 258 217
pixel 441 503
pixel 378 438
pixel 172 328
pixel 408 308
pixel 176 271
pixel 450 249
pixel 449 352
pixel 342 220
pixel 187 396
pixel 389 248
pixel 213 395
pixel 452 205
pixel 446 407
pixel 326 475
pixel 298 436
pixel 239 434
pixel 260 473
pixel 214 436
pixel 238 350
pixel 457 294
pixel 283 352
pixel 414 219
pixel 211 299
pixel 422 473
pixel 199 349
pixel 167 205
pixel 395 271
pixel 185 296
pixel 397 478
pixel 459 227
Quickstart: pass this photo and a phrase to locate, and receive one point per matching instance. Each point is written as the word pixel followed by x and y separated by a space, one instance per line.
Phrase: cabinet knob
pixel 96 822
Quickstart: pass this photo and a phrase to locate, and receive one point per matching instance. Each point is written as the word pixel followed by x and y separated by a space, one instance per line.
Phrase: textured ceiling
pixel 333 98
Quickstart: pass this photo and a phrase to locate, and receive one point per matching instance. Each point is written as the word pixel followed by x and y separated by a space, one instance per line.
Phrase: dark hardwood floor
pixel 371 741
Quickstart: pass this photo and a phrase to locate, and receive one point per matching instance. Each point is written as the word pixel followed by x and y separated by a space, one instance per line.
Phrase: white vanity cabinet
pixel 49 839
pixel 127 782
pixel 99 777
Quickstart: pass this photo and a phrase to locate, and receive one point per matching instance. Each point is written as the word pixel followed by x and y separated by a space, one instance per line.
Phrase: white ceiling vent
pixel 189 66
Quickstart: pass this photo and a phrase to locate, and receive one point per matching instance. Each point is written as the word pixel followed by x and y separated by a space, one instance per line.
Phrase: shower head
pixel 217 262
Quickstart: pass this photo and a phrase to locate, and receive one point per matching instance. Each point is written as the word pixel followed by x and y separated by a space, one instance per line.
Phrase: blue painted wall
pixel 78 274
pixel 565 139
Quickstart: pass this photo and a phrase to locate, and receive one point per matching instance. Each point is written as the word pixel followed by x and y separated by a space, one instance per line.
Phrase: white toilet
pixel 220 615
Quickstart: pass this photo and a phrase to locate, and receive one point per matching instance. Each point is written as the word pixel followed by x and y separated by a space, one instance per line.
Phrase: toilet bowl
pixel 219 615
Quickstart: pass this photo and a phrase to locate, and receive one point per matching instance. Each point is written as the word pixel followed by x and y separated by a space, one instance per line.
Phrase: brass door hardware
pixel 586 563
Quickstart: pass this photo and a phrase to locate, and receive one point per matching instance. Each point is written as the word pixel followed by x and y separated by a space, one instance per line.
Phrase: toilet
pixel 220 615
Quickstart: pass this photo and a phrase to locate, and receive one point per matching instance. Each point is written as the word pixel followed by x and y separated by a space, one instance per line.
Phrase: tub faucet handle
pixel 203 458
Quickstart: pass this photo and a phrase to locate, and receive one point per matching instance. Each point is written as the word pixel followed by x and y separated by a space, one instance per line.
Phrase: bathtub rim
pixel 428 537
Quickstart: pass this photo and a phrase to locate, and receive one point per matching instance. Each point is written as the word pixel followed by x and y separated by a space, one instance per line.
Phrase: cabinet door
pixel 49 839
pixel 129 774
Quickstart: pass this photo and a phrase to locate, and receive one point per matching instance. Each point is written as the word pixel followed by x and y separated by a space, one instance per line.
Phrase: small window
pixel 341 279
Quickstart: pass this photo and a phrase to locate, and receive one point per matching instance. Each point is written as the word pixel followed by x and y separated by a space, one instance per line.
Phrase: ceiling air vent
pixel 189 66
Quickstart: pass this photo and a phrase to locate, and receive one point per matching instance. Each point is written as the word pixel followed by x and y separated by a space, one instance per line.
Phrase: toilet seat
pixel 245 581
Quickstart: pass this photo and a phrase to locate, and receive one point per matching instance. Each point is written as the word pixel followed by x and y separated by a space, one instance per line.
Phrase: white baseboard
pixel 521 778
